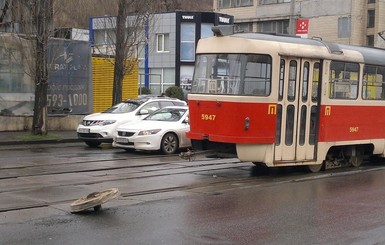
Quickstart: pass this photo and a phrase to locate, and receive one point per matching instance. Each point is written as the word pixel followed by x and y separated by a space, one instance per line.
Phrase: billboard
pixel 70 77
pixel 69 81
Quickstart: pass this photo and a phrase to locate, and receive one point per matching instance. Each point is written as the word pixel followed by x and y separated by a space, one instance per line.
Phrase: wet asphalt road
pixel 278 207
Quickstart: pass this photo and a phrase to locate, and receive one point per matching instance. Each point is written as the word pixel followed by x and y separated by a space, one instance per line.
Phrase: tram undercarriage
pixel 336 157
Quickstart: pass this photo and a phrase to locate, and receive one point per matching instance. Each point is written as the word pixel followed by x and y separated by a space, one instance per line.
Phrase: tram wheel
pixel 356 161
pixel 314 168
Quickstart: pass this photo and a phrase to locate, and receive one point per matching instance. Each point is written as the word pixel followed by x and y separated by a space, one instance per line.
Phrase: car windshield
pixel 167 114
pixel 123 107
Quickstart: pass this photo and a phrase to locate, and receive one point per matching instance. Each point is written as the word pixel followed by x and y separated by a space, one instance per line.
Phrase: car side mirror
pixel 186 120
pixel 143 112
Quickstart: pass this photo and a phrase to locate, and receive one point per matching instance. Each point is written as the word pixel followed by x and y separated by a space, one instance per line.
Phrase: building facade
pixel 166 55
pixel 357 22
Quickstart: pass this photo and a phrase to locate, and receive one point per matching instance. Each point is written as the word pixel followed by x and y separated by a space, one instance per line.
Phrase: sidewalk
pixel 25 137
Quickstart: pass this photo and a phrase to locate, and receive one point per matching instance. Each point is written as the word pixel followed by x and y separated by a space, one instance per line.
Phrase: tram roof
pixel 374 56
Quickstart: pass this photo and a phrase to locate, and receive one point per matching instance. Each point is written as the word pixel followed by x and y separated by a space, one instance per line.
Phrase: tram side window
pixel 316 78
pixel 313 126
pixel 302 128
pixel 257 75
pixel 373 84
pixel 281 80
pixel 289 133
pixel 343 83
pixel 292 80
pixel 305 81
pixel 278 126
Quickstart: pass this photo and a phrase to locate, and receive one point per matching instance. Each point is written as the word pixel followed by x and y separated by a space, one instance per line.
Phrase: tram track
pixel 76 167
pixel 130 195
pixel 100 173
pixel 108 168
pixel 221 185
pixel 176 167
pixel 32 165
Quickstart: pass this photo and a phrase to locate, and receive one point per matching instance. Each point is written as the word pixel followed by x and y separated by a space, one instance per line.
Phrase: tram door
pixel 297 110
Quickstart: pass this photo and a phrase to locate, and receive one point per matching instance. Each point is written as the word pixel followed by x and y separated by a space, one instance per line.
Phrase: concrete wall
pixel 323 16
pixel 162 24
pixel 21 123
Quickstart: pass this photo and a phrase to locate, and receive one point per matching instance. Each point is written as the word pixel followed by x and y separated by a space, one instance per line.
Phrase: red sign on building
pixel 302 26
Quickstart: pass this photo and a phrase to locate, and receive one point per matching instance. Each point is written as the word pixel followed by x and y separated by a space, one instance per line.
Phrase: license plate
pixel 121 140
pixel 84 130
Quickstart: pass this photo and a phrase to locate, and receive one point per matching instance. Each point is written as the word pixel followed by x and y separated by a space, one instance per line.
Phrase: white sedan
pixel 163 130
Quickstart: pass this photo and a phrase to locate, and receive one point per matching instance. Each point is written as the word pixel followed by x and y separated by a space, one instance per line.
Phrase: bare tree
pixel 32 24
pixel 42 13
pixel 35 19
pixel 132 18
pixel 77 14
pixel 182 5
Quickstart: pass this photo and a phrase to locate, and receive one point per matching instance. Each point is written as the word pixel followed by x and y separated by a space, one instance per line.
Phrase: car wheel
pixel 92 143
pixel 169 143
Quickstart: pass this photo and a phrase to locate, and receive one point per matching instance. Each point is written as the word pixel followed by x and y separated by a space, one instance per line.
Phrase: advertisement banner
pixel 70 77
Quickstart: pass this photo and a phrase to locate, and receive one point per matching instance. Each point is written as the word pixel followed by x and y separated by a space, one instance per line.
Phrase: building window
pixel 187 48
pixel 206 30
pixel 262 2
pixel 371 18
pixel 104 37
pixel 245 27
pixel 222 4
pixel 99 37
pixel 371 1
pixel 244 3
pixel 281 27
pixel 343 27
pixel 162 43
pixel 141 50
pixel 370 41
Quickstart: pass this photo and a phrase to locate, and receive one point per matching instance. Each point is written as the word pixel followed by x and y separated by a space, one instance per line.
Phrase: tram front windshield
pixel 232 74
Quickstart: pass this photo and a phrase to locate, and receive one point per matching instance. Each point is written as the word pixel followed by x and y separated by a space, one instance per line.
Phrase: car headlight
pixel 149 132
pixel 106 122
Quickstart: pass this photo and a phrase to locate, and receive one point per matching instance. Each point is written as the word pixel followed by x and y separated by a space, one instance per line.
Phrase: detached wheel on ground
pixel 169 143
pixel 94 200
pixel 92 143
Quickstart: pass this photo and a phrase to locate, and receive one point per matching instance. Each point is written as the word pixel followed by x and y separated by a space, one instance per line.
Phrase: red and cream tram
pixel 286 101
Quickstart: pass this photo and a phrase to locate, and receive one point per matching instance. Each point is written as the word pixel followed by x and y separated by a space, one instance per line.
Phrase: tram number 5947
pixel 208 117
pixel 353 129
